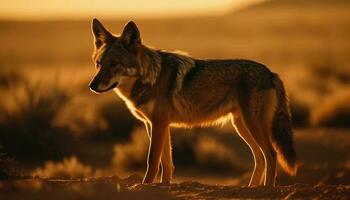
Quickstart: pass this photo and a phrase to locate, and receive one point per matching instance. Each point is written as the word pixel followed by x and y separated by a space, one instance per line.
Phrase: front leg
pixel 159 130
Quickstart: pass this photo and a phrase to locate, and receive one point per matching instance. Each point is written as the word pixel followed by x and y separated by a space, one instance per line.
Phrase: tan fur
pixel 187 117
pixel 166 89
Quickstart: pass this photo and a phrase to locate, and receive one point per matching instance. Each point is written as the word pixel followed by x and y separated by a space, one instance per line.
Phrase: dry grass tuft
pixel 7 170
pixel 26 121
pixel 300 113
pixel 69 168
pixel 202 151
pixel 319 95
pixel 328 70
pixel 10 77
pixel 35 105
pixel 132 155
pixel 334 111
pixel 212 154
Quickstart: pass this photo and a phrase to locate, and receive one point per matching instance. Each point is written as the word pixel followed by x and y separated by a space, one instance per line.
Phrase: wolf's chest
pixel 138 100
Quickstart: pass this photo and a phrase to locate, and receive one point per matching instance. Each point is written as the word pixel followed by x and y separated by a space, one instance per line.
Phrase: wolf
pixel 165 89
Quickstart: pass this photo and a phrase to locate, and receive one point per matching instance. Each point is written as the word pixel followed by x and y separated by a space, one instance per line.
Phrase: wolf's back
pixel 282 135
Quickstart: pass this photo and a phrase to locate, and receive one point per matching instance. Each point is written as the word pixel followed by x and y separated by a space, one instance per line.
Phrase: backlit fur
pixel 165 89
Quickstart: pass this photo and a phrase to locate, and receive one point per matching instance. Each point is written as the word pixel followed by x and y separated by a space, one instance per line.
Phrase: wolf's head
pixel 114 57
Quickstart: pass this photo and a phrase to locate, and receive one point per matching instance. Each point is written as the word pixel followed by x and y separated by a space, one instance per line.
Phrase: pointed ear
pixel 131 34
pixel 101 35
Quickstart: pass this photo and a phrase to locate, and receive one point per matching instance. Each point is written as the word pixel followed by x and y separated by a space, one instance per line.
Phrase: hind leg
pixel 270 161
pixel 270 156
pixel 259 131
pixel 259 161
pixel 264 123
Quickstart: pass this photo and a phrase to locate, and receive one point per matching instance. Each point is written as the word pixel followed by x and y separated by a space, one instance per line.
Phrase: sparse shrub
pixel 36 106
pixel 10 77
pixel 210 150
pixel 81 118
pixel 300 113
pixel 27 130
pixel 201 151
pixel 321 97
pixel 183 142
pixel 102 118
pixel 118 119
pixel 7 170
pixel 69 168
pixel 132 155
pixel 211 154
pixel 331 70
pixel 334 111
pixel 317 81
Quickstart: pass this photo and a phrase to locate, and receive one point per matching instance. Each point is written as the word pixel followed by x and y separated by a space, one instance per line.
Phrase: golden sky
pixel 79 9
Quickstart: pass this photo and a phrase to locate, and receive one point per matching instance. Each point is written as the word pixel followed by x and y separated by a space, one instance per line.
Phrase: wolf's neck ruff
pixel 150 65
pixel 153 63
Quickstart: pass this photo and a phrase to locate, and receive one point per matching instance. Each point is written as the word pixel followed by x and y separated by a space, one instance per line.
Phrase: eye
pixel 113 64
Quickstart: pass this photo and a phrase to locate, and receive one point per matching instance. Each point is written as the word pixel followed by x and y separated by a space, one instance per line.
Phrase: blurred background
pixel 52 126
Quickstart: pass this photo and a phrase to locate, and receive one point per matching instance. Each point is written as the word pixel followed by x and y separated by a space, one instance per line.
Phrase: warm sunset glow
pixel 66 9
pixel 201 99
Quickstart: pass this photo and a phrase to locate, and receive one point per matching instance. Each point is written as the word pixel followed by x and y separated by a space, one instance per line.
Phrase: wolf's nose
pixel 93 85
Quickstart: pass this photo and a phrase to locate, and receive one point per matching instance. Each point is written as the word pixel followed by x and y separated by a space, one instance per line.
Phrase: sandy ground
pixel 129 188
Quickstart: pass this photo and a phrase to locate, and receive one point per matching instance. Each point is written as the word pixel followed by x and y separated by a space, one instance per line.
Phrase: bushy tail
pixel 282 135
